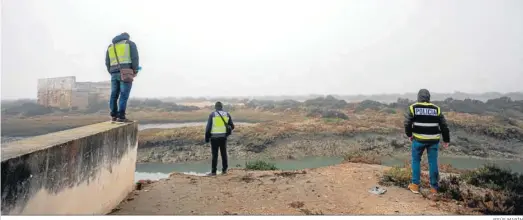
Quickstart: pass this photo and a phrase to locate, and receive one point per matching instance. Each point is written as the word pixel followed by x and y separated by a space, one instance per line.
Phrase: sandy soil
pixel 341 189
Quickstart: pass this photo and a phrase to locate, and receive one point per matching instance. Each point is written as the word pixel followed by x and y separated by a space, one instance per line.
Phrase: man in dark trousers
pixel 122 53
pixel 424 125
pixel 219 127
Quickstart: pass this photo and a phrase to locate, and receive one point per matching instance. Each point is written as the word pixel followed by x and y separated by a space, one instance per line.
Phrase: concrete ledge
pixel 86 170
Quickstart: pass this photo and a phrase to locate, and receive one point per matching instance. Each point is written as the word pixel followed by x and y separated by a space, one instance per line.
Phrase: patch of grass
pixel 362 157
pixel 260 165
pixel 402 176
pixel 397 176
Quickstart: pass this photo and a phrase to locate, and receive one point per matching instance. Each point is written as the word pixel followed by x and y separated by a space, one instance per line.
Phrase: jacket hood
pixel 121 37
pixel 423 95
pixel 218 106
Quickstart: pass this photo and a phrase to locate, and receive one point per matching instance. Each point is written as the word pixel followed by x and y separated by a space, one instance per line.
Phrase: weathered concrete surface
pixel 56 92
pixel 86 170
pixel 66 92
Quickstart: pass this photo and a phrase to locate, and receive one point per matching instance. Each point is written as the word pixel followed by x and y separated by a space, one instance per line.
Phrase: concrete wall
pixel 56 92
pixel 65 92
pixel 80 99
pixel 86 170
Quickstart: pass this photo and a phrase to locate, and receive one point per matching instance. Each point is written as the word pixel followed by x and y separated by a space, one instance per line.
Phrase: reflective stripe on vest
pixel 426 136
pixel 124 56
pixel 218 127
pixel 425 124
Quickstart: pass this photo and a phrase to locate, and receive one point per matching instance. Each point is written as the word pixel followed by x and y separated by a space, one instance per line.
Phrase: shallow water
pixel 462 162
pixel 155 171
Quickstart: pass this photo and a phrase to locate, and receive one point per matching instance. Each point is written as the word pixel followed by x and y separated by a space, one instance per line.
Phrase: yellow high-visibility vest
pixel 124 53
pixel 218 126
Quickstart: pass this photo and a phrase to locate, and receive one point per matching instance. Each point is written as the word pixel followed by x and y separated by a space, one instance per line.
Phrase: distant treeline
pixel 327 106
pixel 386 98
pixel 502 105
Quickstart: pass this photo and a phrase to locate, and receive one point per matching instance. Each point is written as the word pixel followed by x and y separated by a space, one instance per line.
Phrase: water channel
pixel 156 171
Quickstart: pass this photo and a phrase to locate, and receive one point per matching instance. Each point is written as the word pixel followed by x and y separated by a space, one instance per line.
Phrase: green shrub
pixel 362 157
pixel 501 191
pixel 260 165
pixel 397 176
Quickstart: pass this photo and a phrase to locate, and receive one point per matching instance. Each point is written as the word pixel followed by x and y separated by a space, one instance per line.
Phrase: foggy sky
pixel 240 48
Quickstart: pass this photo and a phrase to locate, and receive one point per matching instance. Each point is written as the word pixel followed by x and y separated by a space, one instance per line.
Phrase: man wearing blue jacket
pixel 122 53
pixel 219 127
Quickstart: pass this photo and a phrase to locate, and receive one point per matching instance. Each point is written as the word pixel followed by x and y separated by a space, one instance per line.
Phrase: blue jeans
pixel 119 89
pixel 432 156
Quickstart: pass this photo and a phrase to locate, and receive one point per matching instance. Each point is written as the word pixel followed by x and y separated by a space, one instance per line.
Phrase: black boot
pixel 123 120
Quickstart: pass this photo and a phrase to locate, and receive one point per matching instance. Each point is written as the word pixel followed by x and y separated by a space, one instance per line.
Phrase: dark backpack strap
pixel 225 123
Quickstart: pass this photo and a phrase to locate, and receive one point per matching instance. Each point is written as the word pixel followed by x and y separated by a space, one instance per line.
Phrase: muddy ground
pixel 341 189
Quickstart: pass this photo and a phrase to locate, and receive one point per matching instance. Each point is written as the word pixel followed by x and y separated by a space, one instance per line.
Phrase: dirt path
pixel 340 189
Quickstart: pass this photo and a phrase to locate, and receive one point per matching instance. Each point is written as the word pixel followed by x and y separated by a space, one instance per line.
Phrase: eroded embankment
pixel 300 144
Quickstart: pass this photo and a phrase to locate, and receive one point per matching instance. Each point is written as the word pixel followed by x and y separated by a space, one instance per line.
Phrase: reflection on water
pixel 155 171
pixel 461 162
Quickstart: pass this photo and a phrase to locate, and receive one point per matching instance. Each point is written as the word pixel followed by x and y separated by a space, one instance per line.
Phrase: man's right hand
pixel 445 145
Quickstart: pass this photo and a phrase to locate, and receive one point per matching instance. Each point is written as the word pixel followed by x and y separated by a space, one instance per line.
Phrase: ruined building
pixel 66 93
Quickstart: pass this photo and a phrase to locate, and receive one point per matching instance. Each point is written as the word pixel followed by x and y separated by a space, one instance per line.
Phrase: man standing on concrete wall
pixel 122 63
pixel 424 122
pixel 219 127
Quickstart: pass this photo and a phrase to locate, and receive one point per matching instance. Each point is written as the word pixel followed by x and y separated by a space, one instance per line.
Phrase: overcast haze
pixel 237 48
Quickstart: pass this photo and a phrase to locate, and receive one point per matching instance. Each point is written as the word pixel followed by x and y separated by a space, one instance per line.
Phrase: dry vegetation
pixel 368 121
pixel 337 116
pixel 489 190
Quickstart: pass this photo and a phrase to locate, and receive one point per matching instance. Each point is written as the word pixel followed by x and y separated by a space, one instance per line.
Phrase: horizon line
pixel 302 95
